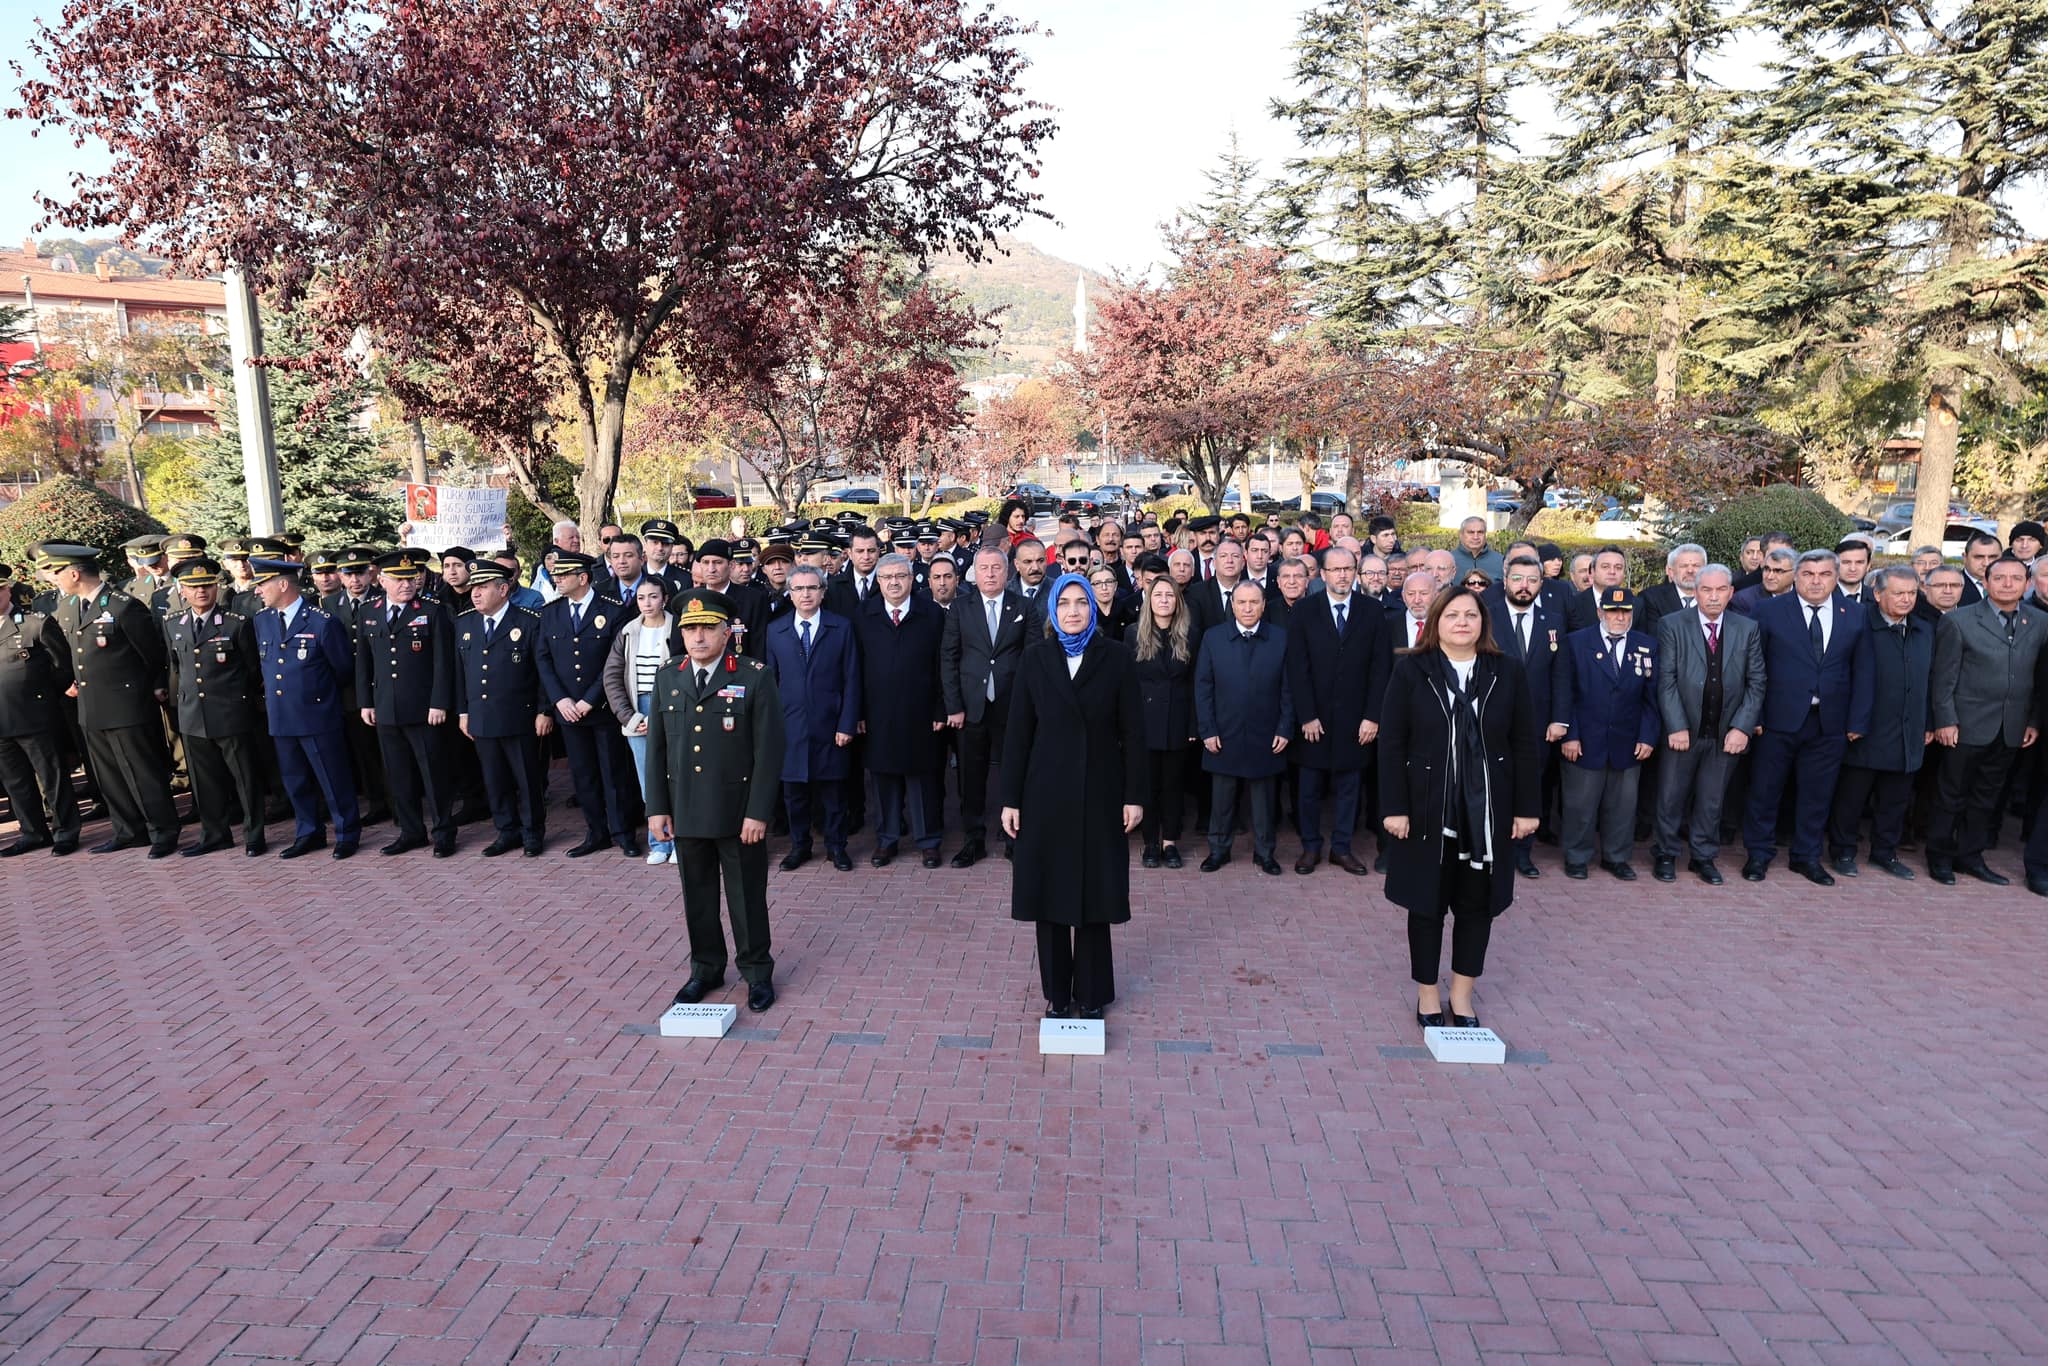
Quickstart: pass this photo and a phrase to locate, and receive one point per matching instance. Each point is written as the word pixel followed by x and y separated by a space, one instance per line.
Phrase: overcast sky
pixel 1148 93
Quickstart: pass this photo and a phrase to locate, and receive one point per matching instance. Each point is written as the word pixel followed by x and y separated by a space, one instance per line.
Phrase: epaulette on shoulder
pixel 756 665
pixel 529 611
pixel 467 612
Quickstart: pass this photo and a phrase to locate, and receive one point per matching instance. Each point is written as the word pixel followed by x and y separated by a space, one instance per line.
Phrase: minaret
pixel 1080 313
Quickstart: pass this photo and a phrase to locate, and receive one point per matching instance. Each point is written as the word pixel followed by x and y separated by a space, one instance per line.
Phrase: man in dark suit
pixel 903 709
pixel 1817 700
pixel 1529 626
pixel 117 672
pixel 1774 580
pixel 1853 557
pixel 1337 661
pixel 986 632
pixel 576 634
pixel 1607 695
pixel 1710 692
pixel 1682 568
pixel 405 680
pixel 846 592
pixel 816 664
pixel 1765 544
pixel 1981 698
pixel 217 686
pixel 1209 600
pixel 1610 571
pixel 1978 553
pixel 1244 711
pixel 1879 770
pixel 35 669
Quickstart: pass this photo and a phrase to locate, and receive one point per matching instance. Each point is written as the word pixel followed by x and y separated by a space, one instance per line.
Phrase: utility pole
pixel 252 406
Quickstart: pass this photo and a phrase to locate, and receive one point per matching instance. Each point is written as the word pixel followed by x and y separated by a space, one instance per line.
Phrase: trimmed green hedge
pixel 66 509
pixel 1812 521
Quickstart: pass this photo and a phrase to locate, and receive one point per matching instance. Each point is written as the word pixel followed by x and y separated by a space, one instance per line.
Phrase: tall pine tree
pixel 338 489
pixel 1907 130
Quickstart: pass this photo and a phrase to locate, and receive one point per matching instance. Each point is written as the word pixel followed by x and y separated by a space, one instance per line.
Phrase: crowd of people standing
pixel 1429 714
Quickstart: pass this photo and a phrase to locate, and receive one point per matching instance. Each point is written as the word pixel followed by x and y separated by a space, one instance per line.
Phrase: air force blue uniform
pixel 306 663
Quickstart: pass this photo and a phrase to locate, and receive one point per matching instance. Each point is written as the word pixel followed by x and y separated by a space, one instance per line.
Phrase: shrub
pixel 67 509
pixel 1808 518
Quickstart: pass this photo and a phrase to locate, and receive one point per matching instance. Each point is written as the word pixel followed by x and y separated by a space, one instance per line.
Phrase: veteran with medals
pixel 714 754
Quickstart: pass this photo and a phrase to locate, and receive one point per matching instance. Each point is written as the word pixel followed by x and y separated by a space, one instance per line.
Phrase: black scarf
pixel 1465 803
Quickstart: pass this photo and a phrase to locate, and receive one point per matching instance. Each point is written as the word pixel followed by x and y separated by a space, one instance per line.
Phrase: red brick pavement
pixel 397 1110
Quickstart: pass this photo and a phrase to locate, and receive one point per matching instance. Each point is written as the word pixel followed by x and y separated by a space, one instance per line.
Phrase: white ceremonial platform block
pixel 1465 1045
pixel 1071 1036
pixel 698 1022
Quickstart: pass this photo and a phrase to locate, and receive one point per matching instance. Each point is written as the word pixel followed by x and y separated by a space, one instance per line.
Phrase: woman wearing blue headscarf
pixel 1073 790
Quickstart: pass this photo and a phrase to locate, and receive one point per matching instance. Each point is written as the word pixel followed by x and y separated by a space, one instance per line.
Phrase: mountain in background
pixel 81 255
pixel 1036 295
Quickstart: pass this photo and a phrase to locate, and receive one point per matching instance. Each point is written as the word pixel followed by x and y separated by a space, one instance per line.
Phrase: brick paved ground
pixel 382 1112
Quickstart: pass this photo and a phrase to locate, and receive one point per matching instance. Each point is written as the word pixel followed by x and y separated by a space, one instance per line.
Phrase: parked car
pixel 1042 501
pixel 854 495
pixel 952 493
pixel 1326 504
pixel 1086 501
pixel 1901 514
pixel 1503 500
pixel 1261 502
pixel 1618 524
pixel 709 496
pixel 1169 486
pixel 1953 537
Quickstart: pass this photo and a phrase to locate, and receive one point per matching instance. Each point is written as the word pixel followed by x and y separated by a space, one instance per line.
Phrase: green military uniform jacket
pixel 714 759
pixel 215 673
pixel 117 659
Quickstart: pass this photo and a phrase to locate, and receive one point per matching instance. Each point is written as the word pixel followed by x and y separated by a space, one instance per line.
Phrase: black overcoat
pixel 1414 741
pixel 1899 717
pixel 1336 680
pixel 1074 758
pixel 1166 690
pixel 900 692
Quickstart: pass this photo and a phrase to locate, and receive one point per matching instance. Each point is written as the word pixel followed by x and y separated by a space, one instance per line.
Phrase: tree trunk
pixel 1937 461
pixel 603 444
pixel 1305 467
pixel 416 436
pixel 134 476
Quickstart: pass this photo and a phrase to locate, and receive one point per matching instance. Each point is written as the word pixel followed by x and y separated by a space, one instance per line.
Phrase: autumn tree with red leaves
pixel 1202 366
pixel 634 178
pixel 1035 421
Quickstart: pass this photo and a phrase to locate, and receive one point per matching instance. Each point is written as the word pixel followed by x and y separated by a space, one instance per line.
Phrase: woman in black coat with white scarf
pixel 1073 790
pixel 1460 770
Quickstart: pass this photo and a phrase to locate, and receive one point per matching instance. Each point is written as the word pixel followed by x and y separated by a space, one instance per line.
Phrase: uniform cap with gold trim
pixel 489 571
pixel 402 564
pixel 704 607
pixel 197 573
pixel 183 546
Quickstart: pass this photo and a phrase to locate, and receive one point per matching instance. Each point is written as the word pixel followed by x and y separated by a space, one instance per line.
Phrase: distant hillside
pixel 1035 292
pixel 71 253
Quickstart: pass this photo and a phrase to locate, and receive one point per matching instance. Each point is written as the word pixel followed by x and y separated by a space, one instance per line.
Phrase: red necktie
pixel 1713 637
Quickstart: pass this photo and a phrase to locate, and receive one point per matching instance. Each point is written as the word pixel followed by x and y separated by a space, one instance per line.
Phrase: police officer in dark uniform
pixel 405 687
pixel 359 595
pixel 306 661
pixel 714 759
pixel 659 535
pixel 35 665
pixel 117 675
pixel 217 684
pixel 498 705
pixel 576 633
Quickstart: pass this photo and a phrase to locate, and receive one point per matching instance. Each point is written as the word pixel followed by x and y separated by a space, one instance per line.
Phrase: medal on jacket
pixel 728 723
pixel 302 652
pixel 417 645
pixel 220 654
pixel 102 640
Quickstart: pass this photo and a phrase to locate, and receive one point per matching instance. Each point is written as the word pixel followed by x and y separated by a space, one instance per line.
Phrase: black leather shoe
pixel 1941 872
pixel 1464 1021
pixel 500 845
pixel 1575 871
pixel 1894 867
pixel 794 859
pixel 630 847
pixel 345 849
pixel 839 860
pixel 444 850
pixel 932 859
pixel 114 846
pixel 2038 885
pixel 1090 1012
pixel 1753 870
pixel 587 848
pixel 1525 865
pixel 20 847
pixel 970 854
pixel 206 847
pixel 532 850
pixel 1707 872
pixel 1814 873
pixel 1664 869
pixel 299 848
pixel 163 850
pixel 1170 856
pixel 1150 858
pixel 1379 862
pixel 1981 871
pixel 884 856
pixel 1436 1020
pixel 1214 861
pixel 1056 1011
pixel 1349 864
pixel 760 996
pixel 696 988
pixel 1623 871
pixel 1845 866
pixel 1306 864
pixel 404 844
pixel 63 847
pixel 1268 865
pixel 256 848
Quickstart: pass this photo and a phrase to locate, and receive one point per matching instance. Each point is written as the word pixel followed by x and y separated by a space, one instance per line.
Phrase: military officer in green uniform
pixel 118 676
pixel 714 757
pixel 34 671
pixel 217 686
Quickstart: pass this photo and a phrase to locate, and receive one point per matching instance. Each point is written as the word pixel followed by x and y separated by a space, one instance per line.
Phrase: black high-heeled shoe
pixel 1464 1021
